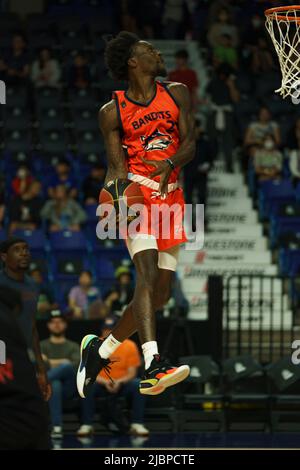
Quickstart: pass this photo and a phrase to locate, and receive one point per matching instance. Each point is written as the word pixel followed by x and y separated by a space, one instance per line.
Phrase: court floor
pixel 184 440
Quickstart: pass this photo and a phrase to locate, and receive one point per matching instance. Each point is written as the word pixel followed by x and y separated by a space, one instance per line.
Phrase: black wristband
pixel 170 163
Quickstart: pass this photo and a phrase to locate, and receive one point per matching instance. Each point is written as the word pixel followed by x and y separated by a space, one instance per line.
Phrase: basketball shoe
pixel 161 375
pixel 90 364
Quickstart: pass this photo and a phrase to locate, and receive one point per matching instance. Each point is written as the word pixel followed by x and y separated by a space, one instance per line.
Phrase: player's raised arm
pixel 109 126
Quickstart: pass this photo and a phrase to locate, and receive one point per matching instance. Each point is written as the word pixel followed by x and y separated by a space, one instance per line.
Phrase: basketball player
pixel 153 121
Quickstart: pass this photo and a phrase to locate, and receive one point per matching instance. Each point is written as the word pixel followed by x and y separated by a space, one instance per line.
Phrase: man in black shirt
pixel 15 255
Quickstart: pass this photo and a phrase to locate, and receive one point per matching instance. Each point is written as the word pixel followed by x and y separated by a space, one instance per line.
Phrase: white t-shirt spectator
pixel 49 75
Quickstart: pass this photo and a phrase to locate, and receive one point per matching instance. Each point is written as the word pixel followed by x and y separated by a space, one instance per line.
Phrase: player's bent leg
pixel 94 352
pixel 161 375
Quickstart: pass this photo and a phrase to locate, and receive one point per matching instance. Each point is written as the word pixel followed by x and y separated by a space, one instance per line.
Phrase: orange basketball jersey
pixel 149 130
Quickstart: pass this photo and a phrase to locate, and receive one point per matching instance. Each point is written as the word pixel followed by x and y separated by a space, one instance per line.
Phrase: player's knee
pixel 147 279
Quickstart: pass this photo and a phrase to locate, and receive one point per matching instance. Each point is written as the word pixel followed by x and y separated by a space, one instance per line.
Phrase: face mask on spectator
pixel 269 144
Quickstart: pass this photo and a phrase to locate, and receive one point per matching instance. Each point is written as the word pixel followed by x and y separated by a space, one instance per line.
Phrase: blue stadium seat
pixel 16 117
pixel 50 118
pixel 18 141
pixel 36 240
pixel 68 243
pixel 272 193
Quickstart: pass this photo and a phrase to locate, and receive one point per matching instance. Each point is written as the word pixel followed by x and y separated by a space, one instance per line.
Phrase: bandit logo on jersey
pixel 156 141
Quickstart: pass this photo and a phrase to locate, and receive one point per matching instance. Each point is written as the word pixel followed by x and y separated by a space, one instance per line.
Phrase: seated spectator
pixel 255 29
pixel 62 212
pixel 93 184
pixel 22 181
pixel 124 368
pixel 46 301
pixel 61 357
pixel 220 27
pixel 225 52
pixel 62 177
pixel 24 210
pixel 45 71
pixel 268 160
pixel 173 19
pixel 262 59
pixel 294 165
pixel 258 130
pixel 79 73
pixel 14 69
pixel 122 292
pixel 184 74
pixel 82 296
pixel 221 128
pixel 196 173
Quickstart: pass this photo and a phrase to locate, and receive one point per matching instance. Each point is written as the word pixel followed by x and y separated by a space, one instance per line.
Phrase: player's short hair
pixel 117 52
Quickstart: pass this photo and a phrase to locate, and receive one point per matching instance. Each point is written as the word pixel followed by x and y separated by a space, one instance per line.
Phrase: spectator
pixel 61 357
pixel 224 94
pixel 258 130
pixel 79 73
pixel 184 74
pixel 62 177
pixel 173 17
pixel 46 301
pixel 294 165
pixel 268 160
pixel 255 30
pixel 293 143
pixel 93 184
pixel 262 59
pixel 63 213
pixel 196 173
pixel 45 71
pixel 24 211
pixel 222 26
pixel 15 67
pixel 122 293
pixel 83 295
pixel 148 15
pixel 22 180
pixel 15 257
pixel 225 52
pixel 128 16
pixel 124 368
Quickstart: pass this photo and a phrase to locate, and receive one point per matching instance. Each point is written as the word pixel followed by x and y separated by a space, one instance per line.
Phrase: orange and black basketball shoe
pixel 162 375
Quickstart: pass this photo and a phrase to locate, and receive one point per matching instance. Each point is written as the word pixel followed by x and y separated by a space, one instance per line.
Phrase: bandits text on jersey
pixel 142 121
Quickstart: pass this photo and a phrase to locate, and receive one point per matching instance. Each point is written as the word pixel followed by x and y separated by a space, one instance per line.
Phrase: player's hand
pixel 164 170
pixel 44 385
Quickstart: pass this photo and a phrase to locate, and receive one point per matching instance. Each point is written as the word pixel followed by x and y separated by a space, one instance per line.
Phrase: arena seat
pixel 68 242
pixel 36 240
pixel 274 192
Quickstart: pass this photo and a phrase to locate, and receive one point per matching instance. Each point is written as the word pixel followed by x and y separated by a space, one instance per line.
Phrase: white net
pixel 284 29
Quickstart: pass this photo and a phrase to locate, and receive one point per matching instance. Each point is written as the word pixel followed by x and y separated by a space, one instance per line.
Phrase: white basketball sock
pixel 109 345
pixel 149 349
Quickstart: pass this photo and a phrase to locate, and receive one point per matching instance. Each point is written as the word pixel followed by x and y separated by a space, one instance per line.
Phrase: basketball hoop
pixel 283 25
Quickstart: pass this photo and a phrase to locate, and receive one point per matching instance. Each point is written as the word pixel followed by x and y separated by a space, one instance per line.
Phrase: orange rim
pixel 270 12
